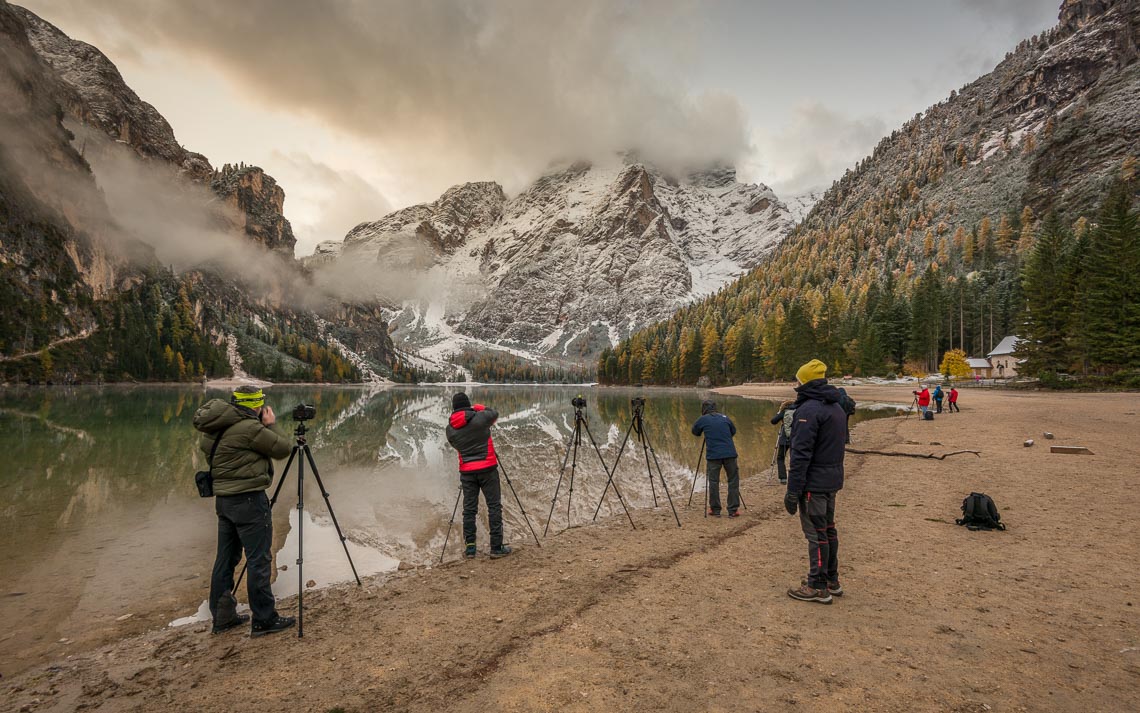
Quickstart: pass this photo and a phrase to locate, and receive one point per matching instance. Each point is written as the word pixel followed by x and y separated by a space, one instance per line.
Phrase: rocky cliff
pixel 91 90
pixel 574 262
pixel 85 298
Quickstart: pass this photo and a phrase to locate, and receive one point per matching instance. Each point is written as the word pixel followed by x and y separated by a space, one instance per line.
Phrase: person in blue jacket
pixel 938 399
pixel 718 431
pixel 815 477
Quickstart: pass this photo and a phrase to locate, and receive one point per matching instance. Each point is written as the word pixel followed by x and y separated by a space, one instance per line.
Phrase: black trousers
pixel 782 462
pixel 244 523
pixel 954 407
pixel 732 472
pixel 486 481
pixel 817 518
pixel 938 406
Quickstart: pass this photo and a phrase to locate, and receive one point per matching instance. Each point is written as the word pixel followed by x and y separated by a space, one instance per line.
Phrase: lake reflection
pixel 101 517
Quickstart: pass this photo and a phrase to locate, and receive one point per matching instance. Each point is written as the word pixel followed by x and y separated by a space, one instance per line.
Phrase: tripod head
pixel 638 405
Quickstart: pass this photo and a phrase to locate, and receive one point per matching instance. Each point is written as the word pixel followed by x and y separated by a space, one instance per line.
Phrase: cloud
pixel 461 87
pixel 1022 16
pixel 325 202
pixel 815 147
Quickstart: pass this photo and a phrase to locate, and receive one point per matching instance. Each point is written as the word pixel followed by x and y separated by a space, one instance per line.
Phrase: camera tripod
pixel 696 475
pixel 572 449
pixel 913 403
pixel 459 497
pixel 302 447
pixel 637 425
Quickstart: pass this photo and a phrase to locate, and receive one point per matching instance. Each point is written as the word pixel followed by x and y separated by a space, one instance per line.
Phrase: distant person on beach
pixel 923 399
pixel 815 478
pixel 785 416
pixel 718 431
pixel 938 398
pixel 954 400
pixel 469 433
pixel 240 436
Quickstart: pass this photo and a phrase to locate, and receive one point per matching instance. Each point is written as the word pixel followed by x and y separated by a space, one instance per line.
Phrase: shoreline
pixel 604 618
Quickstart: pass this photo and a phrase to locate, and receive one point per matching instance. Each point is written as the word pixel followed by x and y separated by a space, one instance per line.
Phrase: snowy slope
pixel 575 262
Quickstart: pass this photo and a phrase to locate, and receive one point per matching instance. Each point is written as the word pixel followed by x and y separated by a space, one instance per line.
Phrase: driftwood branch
pixel 944 456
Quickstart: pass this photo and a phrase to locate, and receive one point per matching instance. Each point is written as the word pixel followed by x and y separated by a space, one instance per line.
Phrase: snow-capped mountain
pixel 572 264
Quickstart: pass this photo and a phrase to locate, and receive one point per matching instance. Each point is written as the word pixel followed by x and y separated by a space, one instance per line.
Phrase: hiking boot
pixel 470 552
pixel 835 589
pixel 500 551
pixel 714 513
pixel 807 594
pixel 238 620
pixel 734 513
pixel 274 625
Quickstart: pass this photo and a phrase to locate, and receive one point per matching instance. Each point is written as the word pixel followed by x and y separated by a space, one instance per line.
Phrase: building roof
pixel 1006 346
pixel 976 363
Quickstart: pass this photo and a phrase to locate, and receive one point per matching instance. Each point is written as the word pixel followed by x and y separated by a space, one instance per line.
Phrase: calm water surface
pixel 101 518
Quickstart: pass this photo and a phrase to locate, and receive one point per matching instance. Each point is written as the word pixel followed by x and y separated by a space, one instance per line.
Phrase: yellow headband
pixel 250 399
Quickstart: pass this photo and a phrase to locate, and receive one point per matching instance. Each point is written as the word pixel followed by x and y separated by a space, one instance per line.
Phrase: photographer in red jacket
pixel 469 433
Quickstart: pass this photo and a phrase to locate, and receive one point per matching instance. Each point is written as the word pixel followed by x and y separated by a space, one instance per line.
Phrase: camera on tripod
pixel 304 412
pixel 637 403
pixel 578 402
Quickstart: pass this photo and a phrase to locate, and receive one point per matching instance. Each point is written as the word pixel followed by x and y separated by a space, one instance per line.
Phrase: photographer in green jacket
pixel 242 466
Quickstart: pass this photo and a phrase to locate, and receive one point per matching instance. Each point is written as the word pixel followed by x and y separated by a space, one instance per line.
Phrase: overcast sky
pixel 360 106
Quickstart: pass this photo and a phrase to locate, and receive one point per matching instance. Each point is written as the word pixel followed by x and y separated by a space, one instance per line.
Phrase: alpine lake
pixel 105 534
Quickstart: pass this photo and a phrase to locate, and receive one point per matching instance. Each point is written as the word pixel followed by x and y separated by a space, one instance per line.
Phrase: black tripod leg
pixel 660 474
pixel 562 472
pixel 328 504
pixel 300 547
pixel 696 472
pixel 516 494
pixel 451 522
pixel 610 473
pixel 272 502
pixel 611 477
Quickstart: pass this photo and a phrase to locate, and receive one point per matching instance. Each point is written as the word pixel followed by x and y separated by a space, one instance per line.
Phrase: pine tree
pixel 1048 297
pixel 1112 282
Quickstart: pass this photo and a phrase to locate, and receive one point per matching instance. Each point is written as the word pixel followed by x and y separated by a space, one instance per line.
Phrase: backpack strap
pixel 214 449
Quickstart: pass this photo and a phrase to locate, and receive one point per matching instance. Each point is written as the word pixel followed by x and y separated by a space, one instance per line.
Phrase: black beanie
pixel 707 407
pixel 460 402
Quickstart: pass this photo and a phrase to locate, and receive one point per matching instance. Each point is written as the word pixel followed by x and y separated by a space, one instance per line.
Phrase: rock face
pixel 1046 128
pixel 573 263
pixel 80 297
pixel 254 194
pixel 90 89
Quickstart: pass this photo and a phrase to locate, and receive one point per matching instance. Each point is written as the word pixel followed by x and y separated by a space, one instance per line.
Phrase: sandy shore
pixel 1042 617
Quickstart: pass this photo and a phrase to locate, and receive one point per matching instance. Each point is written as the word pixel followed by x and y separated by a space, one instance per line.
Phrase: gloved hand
pixel 791 502
pixel 478 407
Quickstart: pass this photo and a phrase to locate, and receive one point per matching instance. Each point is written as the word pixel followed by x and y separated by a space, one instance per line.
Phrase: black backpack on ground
pixel 980 513
pixel 927 415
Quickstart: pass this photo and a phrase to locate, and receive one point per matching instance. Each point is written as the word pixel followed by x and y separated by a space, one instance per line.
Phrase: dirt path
pixel 84 334
pixel 1040 618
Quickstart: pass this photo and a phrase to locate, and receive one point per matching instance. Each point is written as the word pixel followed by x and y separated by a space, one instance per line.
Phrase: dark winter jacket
pixel 242 463
pixel 469 432
pixel 818 438
pixel 718 431
pixel 784 417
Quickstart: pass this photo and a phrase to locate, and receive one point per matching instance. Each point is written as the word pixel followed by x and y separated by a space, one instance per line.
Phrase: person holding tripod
pixel 785 416
pixel 469 433
pixel 241 443
pixel 938 396
pixel 923 398
pixel 815 477
pixel 718 431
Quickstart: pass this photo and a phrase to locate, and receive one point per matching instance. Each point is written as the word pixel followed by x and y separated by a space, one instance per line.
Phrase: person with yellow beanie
pixel 815 476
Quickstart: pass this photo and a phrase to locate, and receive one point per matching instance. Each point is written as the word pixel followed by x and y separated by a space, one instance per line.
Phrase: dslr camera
pixel 638 402
pixel 578 402
pixel 304 412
